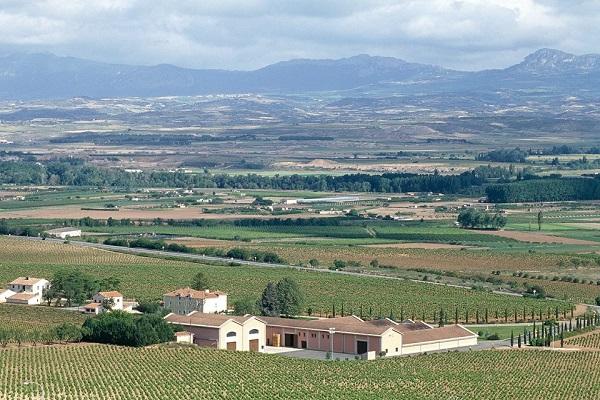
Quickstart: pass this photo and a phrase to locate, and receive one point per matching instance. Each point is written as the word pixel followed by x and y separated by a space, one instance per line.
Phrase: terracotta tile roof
pixel 25 280
pixel 350 324
pixel 194 294
pixel 435 334
pixel 22 296
pixel 112 293
pixel 211 320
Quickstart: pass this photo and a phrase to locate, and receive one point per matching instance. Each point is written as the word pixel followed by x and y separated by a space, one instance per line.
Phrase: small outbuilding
pixel 64 233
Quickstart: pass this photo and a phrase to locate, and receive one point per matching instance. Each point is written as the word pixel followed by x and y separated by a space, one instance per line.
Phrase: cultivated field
pixel 146 277
pixel 28 318
pixel 72 373
pixel 590 340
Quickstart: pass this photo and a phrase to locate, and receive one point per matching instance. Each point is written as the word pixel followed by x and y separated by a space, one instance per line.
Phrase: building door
pixel 361 347
pixel 303 344
pixel 290 340
pixel 253 344
pixel 231 346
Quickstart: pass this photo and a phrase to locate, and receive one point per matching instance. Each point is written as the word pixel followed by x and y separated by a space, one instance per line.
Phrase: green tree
pixel 74 286
pixel 68 333
pixel 200 282
pixel 244 306
pixel 290 297
pixel 268 304
pixel 540 219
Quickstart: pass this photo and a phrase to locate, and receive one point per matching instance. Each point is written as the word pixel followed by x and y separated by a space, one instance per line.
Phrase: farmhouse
pixel 219 331
pixel 26 290
pixel 350 335
pixel 184 301
pixel 64 233
pixel 112 299
pixel 353 335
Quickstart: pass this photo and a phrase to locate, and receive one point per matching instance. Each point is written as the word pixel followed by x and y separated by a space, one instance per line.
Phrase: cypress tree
pixel 456 315
pixel 486 315
pixel 512 338
pixel 519 341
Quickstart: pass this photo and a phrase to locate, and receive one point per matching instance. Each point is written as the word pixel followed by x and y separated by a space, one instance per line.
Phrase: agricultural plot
pixel 36 318
pixel 590 340
pixel 146 277
pixel 71 372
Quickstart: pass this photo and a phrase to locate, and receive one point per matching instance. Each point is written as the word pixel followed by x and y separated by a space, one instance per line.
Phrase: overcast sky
pixel 247 34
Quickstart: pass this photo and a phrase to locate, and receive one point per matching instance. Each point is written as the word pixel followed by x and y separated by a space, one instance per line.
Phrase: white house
pixel 184 301
pixel 27 290
pixel 112 296
pixel 116 299
pixel 29 284
pixel 6 293
pixel 64 233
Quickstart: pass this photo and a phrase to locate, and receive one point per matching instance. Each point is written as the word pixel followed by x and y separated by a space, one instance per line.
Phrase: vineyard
pixel 35 319
pixel 589 340
pixel 146 277
pixel 73 373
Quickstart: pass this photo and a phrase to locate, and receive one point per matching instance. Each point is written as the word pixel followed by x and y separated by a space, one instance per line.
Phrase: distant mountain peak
pixel 554 61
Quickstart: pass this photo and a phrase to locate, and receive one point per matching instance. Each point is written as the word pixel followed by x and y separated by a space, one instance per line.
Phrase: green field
pixel 36 318
pixel 145 277
pixel 76 373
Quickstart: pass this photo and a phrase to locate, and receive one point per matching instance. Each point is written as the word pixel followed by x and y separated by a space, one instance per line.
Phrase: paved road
pixel 222 260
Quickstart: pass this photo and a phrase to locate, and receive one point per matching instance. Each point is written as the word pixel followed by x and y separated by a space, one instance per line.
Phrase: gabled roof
pixel 26 280
pixel 351 324
pixel 194 294
pixel 208 320
pixel 22 296
pixel 435 334
pixel 112 293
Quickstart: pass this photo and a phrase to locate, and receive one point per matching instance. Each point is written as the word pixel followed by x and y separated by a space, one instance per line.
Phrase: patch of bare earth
pixel 538 237
pixel 69 212
pixel 416 246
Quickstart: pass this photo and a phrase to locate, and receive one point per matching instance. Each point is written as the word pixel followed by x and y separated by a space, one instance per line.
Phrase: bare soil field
pixel 69 212
pixel 538 237
pixel 416 246
pixel 420 167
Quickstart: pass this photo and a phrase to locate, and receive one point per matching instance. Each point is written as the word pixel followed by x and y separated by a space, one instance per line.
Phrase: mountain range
pixel 46 76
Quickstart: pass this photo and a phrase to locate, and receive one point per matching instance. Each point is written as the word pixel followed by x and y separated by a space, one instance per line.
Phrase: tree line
pixel 74 172
pixel 541 190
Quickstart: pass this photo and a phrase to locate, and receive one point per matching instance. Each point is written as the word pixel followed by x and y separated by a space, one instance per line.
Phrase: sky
pixel 249 34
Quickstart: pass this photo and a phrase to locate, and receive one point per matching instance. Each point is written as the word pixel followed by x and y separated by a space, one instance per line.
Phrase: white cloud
pixel 468 34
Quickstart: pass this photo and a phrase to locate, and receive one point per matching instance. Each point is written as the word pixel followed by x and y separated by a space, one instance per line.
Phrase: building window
pixel 231 334
pixel 253 331
pixel 396 349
